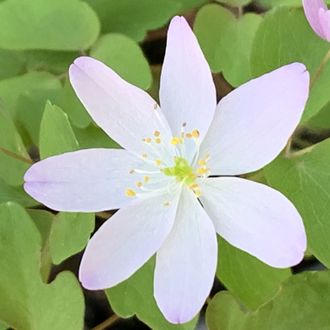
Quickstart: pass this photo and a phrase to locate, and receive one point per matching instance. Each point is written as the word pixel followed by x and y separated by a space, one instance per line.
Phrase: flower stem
pixel 320 69
pixel 107 323
pixel 16 156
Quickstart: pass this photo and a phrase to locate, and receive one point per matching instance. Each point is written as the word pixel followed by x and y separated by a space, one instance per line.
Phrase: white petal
pixel 186 263
pixel 187 92
pixel 324 16
pixel 88 180
pixel 126 241
pixel 256 219
pixel 312 11
pixel 126 113
pixel 254 122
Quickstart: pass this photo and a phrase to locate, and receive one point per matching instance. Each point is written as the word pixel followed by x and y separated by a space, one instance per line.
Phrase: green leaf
pixel 284 37
pixel 190 4
pixel 56 134
pixel 302 304
pixel 12 88
pixel 235 3
pixel 52 61
pixel 221 35
pixel 12 63
pixel 125 57
pixel 47 24
pixel 248 279
pixel 224 313
pixel 15 194
pixel 43 221
pixel 94 137
pixel 71 104
pixel 69 235
pixel 25 301
pixel 134 18
pixel 14 159
pixel 305 180
pixel 126 300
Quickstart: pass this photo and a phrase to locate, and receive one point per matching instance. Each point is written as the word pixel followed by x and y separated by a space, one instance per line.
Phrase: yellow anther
pixel 144 156
pixel 202 162
pixel 157 140
pixel 158 162
pixel 146 179
pixel 130 193
pixel 198 193
pixel 167 204
pixel 195 133
pixel 139 184
pixel 202 170
pixel 147 140
pixel 194 186
pixel 156 133
pixel 176 140
pixel 188 135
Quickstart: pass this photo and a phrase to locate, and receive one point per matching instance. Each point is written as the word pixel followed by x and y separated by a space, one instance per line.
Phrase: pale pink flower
pixel 318 17
pixel 174 180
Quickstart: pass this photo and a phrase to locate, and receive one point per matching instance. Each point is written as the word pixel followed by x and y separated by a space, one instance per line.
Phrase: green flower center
pixel 181 170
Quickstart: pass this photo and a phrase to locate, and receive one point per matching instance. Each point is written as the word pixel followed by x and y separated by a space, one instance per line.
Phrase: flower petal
pixel 312 10
pixel 126 241
pixel 186 263
pixel 123 111
pixel 256 219
pixel 87 180
pixel 325 23
pixel 254 122
pixel 187 92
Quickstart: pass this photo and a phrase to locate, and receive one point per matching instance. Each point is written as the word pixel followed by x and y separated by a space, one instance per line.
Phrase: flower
pixel 318 17
pixel 174 180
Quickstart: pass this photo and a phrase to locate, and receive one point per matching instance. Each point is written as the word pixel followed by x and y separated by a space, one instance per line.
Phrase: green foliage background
pixel 40 116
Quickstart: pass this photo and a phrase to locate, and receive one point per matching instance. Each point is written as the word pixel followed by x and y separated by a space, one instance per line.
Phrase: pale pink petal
pixel 186 263
pixel 126 241
pixel 87 180
pixel 187 92
pixel 325 23
pixel 126 113
pixel 254 122
pixel 312 10
pixel 256 219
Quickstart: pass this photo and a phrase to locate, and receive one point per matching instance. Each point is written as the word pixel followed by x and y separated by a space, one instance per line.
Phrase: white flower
pixel 174 180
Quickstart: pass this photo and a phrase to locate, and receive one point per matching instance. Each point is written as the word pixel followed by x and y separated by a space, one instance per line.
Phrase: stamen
pixel 176 140
pixel 202 170
pixel 147 140
pixel 156 133
pixel 189 136
pixel 202 162
pixel 158 162
pixel 195 133
pixel 157 140
pixel 130 192
pixel 131 172
pixel 146 179
pixel 167 204
pixel 144 156
pixel 139 184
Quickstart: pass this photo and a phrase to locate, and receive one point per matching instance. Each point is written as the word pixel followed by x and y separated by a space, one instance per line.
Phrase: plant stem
pixel 320 69
pixel 16 156
pixel 107 323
